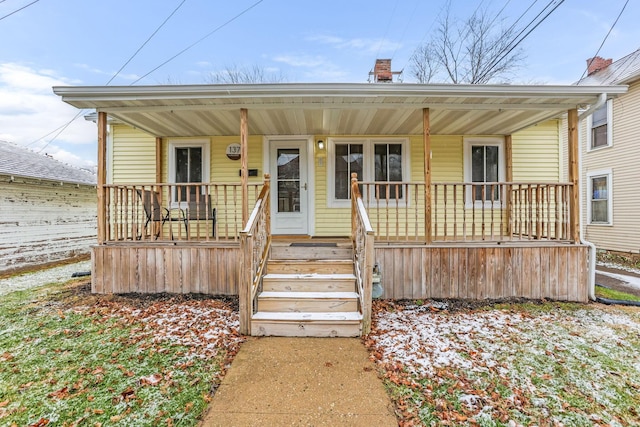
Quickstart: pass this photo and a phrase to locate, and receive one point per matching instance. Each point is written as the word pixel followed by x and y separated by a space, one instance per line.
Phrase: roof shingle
pixel 16 160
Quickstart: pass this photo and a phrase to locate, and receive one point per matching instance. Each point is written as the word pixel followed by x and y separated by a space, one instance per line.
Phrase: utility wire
pixel 18 10
pixel 146 41
pixel 81 112
pixel 406 27
pixel 517 41
pixel 215 30
pixel 386 32
pixel 605 38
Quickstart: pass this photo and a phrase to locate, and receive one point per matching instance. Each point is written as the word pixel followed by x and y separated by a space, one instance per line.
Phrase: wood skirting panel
pixel 172 269
pixel 551 272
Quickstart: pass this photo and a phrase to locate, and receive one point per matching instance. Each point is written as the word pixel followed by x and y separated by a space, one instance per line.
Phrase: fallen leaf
pixel 151 380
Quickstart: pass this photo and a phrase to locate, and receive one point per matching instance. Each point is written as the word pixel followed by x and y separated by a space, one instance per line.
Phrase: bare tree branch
pixel 232 74
pixel 474 51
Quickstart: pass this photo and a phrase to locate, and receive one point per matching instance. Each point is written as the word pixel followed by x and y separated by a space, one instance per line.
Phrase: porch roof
pixel 333 109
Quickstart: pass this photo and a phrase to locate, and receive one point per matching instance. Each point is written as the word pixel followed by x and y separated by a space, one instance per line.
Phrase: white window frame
pixel 486 141
pixel 608 173
pixel 368 167
pixel 609 129
pixel 206 159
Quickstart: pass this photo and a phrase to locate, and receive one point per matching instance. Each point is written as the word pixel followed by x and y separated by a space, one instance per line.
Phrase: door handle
pixel 305 186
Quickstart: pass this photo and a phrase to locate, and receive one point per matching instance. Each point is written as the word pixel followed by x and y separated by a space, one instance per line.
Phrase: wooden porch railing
pixel 362 236
pixel 255 242
pixel 170 212
pixel 462 211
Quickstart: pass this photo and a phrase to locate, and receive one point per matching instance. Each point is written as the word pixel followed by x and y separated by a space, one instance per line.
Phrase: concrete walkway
pixel 301 382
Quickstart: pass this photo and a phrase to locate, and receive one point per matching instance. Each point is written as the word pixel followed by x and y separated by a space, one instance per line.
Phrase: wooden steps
pixel 308 291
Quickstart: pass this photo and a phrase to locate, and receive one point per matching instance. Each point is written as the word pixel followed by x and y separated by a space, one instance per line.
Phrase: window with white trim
pixel 599 198
pixel 188 163
pixel 484 162
pixel 599 133
pixel 379 160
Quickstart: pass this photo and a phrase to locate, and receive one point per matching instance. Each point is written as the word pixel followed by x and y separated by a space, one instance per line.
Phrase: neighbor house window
pixel 484 162
pixel 188 163
pixel 372 160
pixel 599 208
pixel 599 127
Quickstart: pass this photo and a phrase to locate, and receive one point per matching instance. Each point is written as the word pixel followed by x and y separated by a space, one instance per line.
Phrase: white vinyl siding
pixel 622 158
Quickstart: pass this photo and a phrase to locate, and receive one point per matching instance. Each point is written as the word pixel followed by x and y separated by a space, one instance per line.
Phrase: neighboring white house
pixel 610 145
pixel 47 209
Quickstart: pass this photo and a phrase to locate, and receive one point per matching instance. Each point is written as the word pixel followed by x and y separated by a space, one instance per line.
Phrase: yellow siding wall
pixel 536 156
pixel 133 156
pixel 622 158
pixel 536 153
pixel 222 169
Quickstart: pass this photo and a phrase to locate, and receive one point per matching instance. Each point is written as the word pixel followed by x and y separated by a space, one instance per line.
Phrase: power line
pixel 386 32
pixel 517 39
pixel 81 112
pixel 605 38
pixel 406 27
pixel 146 41
pixel 215 30
pixel 18 10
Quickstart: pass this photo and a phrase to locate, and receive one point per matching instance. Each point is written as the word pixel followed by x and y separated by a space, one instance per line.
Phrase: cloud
pixel 360 45
pixel 122 76
pixel 30 110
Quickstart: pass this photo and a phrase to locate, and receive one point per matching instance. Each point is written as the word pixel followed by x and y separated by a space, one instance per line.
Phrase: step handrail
pixel 255 242
pixel 362 238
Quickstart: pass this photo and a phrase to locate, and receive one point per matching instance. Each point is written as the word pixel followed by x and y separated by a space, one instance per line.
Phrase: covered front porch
pixel 429 237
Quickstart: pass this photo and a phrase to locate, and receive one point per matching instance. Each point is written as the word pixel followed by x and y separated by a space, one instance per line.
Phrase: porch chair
pixel 200 209
pixel 154 213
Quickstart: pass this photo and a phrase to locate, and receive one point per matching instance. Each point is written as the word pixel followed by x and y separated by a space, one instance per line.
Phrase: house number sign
pixel 233 151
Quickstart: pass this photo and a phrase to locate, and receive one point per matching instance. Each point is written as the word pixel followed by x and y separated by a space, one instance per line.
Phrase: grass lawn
pixel 602 292
pixel 546 364
pixel 70 358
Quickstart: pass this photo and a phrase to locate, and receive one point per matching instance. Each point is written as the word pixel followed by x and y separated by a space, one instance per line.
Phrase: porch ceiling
pixel 333 109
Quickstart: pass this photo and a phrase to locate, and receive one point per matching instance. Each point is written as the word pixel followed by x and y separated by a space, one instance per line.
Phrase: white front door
pixel 289 187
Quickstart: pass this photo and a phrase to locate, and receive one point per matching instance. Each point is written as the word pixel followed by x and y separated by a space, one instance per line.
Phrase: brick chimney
pixel 597 63
pixel 382 71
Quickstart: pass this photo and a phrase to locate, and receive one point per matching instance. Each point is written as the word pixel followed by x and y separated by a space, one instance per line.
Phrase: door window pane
pixel 289 196
pixel 288 163
pixel 288 180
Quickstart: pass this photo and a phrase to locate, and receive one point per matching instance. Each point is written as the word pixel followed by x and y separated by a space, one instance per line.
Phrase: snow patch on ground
pixel 527 350
pixel 631 281
pixel 42 277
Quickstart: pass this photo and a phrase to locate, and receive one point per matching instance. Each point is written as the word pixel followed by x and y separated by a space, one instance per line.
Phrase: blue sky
pixel 73 42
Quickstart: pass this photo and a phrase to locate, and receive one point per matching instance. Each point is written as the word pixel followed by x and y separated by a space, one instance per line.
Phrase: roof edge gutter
pixel 602 99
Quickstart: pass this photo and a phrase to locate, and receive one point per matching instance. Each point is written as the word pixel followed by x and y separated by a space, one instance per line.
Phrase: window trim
pixel 206 160
pixel 608 173
pixel 609 129
pixel 468 142
pixel 368 167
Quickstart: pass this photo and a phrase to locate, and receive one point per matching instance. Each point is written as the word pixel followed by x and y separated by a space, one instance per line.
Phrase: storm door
pixel 289 187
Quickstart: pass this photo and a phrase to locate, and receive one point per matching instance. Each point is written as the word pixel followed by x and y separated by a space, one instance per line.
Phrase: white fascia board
pixel 105 93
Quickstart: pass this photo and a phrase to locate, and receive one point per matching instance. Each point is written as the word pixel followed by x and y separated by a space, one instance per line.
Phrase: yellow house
pixel 297 196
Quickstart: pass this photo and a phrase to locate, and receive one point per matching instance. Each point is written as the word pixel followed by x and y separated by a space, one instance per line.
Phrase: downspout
pixel 602 99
